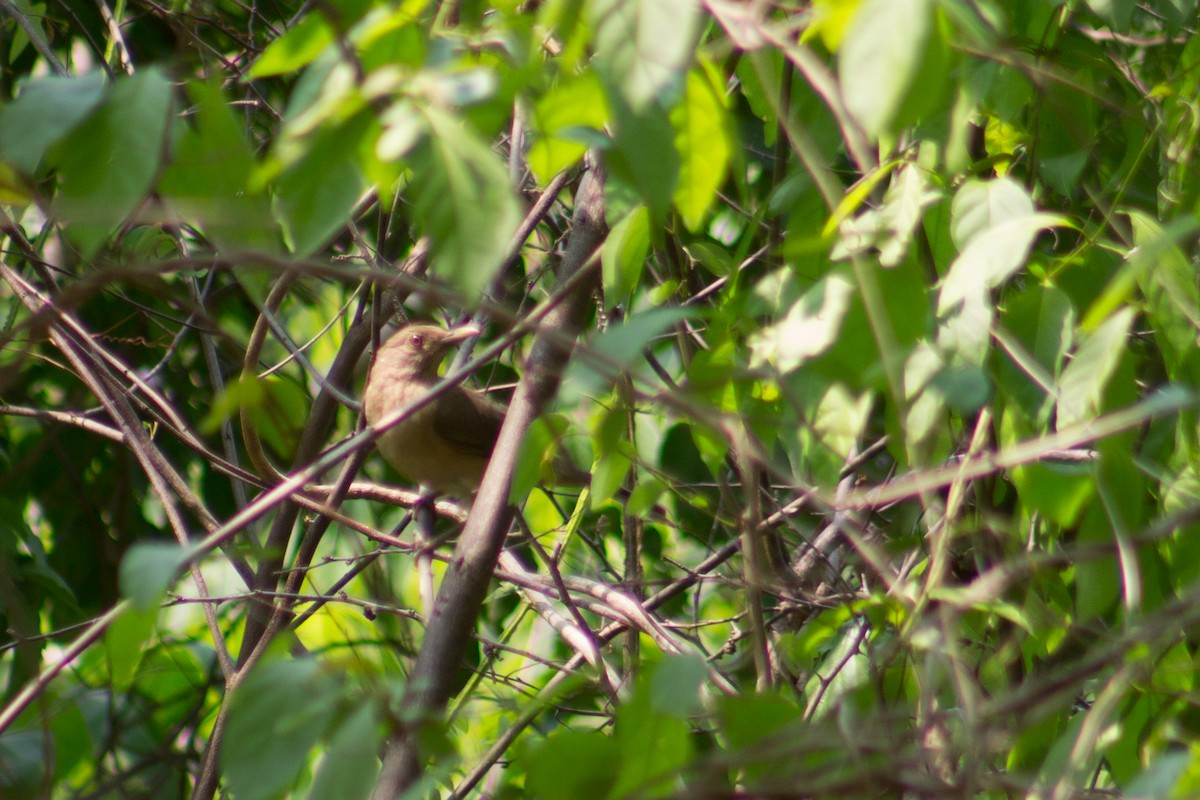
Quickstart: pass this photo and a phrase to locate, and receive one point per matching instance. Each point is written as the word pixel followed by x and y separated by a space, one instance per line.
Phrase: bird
pixel 444 445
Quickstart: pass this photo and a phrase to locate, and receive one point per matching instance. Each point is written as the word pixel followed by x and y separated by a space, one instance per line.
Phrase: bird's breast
pixel 417 451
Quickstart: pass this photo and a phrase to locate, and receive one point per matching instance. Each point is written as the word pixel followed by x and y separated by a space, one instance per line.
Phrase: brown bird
pixel 445 444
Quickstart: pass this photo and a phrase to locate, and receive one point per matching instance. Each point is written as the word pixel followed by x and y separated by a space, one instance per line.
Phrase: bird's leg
pixel 425 542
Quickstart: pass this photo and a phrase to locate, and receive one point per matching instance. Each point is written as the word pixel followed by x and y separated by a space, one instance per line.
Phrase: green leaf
pixel 980 206
pixel 614 453
pixel 994 225
pixel 810 327
pixel 296 48
pixel 675 685
pixel 125 642
pixel 276 716
pixel 964 388
pixel 1117 13
pixel 621 344
pixel 704 143
pixel 831 20
pixel 1167 773
pixel 148 570
pixel 207 179
pixel 1086 376
pixel 109 162
pixel 573 765
pixel 349 765
pixel 748 719
pixel 644 155
pixel 1057 491
pixel 609 471
pixel 567 120
pixel 841 419
pixel 623 256
pixel 1168 282
pixel 47 110
pixel 1042 320
pixel 881 58
pixel 462 198
pixel 654 746
pixel 644 47
pixel 316 194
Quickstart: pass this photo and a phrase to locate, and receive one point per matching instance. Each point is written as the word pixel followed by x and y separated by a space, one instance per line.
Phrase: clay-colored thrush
pixel 445 444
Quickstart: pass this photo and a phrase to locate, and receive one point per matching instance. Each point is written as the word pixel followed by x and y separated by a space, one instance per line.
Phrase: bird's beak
pixel 460 334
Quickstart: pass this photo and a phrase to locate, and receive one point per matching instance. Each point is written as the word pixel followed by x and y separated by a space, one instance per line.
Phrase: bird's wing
pixel 469 420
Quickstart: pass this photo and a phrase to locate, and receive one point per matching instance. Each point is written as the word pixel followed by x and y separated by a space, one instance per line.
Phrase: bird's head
pixel 418 350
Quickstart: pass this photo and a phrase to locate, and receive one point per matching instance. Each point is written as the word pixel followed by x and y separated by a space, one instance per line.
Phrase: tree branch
pixel 462 592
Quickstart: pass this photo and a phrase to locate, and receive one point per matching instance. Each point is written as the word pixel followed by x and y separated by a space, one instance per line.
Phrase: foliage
pixel 889 393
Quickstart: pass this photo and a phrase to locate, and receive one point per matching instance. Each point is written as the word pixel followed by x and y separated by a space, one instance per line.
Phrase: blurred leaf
pixel 1162 775
pixel 296 48
pixel 276 716
pixel 704 143
pixel 568 119
pixel 349 765
pixel 675 685
pixel 1087 374
pixel 573 765
pixel 623 343
pixel 207 178
pixel 965 389
pixel 644 155
pixel 831 20
pixel 810 327
pixel 1169 284
pixel 644 47
pixel 108 162
pixel 609 471
pixel 882 56
pixel 841 419
pixel 316 193
pixel 653 746
pixel 148 570
pixel 623 256
pixel 1042 320
pixel 1058 491
pixel 461 196
pixel 47 110
pixel 1117 13
pixel 125 641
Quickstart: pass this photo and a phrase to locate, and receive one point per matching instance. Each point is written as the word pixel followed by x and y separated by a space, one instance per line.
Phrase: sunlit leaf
pixel 704 143
pixel 810 327
pixel 644 47
pixel 881 57
pixel 1086 375
pixel 624 255
pixel 567 120
pixel 994 225
pixel 294 49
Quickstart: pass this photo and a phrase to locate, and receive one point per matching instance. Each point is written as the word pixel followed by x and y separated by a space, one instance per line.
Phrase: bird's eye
pixel 417 340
